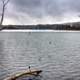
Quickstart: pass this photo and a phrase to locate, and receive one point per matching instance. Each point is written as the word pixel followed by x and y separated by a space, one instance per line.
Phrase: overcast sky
pixel 41 11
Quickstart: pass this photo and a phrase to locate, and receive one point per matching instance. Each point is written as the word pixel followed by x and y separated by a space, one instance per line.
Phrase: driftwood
pixel 16 76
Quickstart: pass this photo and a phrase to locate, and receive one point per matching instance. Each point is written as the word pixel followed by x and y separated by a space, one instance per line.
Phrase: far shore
pixel 67 27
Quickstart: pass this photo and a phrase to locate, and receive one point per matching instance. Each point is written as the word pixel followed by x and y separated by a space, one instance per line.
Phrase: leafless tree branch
pixel 4 4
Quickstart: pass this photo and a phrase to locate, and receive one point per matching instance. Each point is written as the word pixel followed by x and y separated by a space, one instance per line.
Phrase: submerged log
pixel 27 73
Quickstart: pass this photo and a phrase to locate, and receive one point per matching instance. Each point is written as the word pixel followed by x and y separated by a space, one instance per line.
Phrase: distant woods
pixel 4 4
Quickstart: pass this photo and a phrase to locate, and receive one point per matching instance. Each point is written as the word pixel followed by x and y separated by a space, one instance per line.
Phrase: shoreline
pixel 29 30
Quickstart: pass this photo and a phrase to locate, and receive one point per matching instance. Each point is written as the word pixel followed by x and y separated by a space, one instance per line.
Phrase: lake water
pixel 56 53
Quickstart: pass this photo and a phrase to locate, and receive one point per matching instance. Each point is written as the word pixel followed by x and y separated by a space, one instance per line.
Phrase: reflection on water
pixel 57 54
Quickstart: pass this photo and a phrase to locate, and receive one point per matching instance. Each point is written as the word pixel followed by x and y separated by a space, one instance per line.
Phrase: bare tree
pixel 4 4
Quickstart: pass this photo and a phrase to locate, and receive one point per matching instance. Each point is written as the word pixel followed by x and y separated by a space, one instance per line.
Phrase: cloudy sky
pixel 41 11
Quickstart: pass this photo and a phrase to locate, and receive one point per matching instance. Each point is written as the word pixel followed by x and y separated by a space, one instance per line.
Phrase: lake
pixel 56 53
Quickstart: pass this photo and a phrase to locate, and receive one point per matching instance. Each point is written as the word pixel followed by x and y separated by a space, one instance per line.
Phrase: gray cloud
pixel 74 5
pixel 38 9
pixel 51 7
